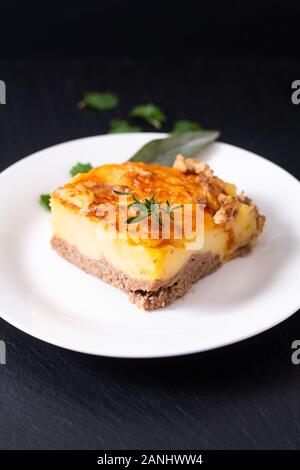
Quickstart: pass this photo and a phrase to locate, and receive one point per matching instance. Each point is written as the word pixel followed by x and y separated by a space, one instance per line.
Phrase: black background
pixel 154 28
pixel 228 65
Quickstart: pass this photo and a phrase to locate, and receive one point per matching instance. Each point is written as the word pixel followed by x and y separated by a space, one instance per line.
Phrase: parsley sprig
pixel 149 113
pixel 99 101
pixel 45 201
pixel 80 168
pixel 148 208
pixel 121 126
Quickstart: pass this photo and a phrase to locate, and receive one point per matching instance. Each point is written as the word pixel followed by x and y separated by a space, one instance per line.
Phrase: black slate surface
pixel 245 396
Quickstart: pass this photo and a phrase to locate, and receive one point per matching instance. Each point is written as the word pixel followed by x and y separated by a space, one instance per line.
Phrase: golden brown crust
pixel 188 182
pixel 98 185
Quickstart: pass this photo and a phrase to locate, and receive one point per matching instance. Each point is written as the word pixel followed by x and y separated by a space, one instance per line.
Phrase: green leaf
pixel 136 219
pixel 122 193
pixel 80 168
pixel 119 126
pixel 45 201
pixel 186 126
pixel 163 151
pixel 149 113
pixel 138 205
pixel 99 101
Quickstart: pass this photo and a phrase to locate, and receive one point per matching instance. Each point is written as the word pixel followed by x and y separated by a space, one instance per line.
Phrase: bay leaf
pixel 163 151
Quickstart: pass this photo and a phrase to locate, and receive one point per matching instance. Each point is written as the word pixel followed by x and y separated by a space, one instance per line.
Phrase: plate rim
pixel 133 134
pixel 153 355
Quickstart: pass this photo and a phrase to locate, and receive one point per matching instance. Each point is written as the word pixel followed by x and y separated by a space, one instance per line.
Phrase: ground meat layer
pixel 147 295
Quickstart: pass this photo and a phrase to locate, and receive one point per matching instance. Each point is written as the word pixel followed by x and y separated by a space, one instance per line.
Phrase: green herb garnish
pixel 119 126
pixel 99 101
pixel 80 168
pixel 122 193
pixel 45 201
pixel 186 126
pixel 148 208
pixel 168 209
pixel 149 113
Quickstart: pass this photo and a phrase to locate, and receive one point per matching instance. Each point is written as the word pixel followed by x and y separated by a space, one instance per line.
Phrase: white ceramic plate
pixel 50 299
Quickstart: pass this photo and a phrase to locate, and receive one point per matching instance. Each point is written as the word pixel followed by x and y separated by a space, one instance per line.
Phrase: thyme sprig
pixel 148 208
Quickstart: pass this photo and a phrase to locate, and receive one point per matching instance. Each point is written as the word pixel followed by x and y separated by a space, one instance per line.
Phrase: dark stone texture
pixel 245 396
